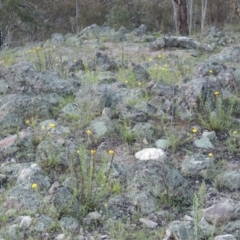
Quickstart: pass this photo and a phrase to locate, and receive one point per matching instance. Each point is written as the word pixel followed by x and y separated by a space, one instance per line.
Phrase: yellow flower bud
pixel 34 186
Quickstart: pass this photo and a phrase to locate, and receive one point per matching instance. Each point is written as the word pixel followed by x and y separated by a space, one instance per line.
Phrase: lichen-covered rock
pixel 52 153
pixel 57 38
pixel 179 230
pixel 143 130
pixel 233 227
pixel 196 165
pixel 76 65
pixel 180 42
pixel 65 203
pixel 25 106
pixel 23 78
pixel 152 179
pixel 32 175
pixel 91 31
pixel 22 199
pixel 102 126
pixel 69 224
pixel 141 31
pixel 42 223
pixel 203 142
pixel 140 74
pixel 101 62
pixel 10 122
pixel 228 179
pixel 228 54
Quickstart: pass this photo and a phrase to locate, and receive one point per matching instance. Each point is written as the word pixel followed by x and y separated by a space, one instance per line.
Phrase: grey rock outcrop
pixel 196 165
pixel 148 180
pixel 179 42
pixel 101 62
pixel 229 180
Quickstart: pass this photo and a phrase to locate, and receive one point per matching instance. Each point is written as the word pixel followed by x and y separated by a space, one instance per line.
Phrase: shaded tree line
pixel 34 20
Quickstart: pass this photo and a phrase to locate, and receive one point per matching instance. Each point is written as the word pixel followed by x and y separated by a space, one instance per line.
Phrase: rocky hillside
pixel 121 135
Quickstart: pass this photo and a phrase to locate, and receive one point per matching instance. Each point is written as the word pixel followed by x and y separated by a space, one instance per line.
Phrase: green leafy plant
pixel 233 142
pixel 126 133
pixel 93 180
pixel 7 57
pixel 219 119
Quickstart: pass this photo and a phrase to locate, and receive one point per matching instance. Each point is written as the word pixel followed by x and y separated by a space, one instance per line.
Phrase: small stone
pixel 103 236
pixel 60 237
pixel 188 218
pixel 145 141
pixel 53 188
pixel 218 213
pixel 225 237
pixel 162 143
pixel 25 222
pixel 203 142
pixel 107 113
pixel 94 215
pixel 148 223
pixel 209 135
pixel 151 154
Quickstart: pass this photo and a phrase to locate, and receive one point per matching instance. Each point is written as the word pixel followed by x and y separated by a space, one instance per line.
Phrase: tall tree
pixel 175 15
pixel 237 8
pixel 182 16
pixel 78 16
pixel 190 14
pixel 204 10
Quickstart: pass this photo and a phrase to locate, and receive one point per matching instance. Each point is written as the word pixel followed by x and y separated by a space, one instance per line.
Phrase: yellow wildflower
pixel 163 69
pixel 210 154
pixel 34 186
pixel 159 56
pixel 216 93
pixel 88 132
pixel 43 127
pixel 52 125
pixel 235 132
pixel 211 71
pixel 139 83
pixel 194 130
pixel 111 152
pixel 27 122
pixel 75 60
pixel 126 81
pixel 78 151
pixel 93 152
pixel 149 59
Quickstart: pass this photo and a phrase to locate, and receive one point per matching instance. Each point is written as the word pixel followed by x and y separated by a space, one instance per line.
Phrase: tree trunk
pixel 182 16
pixel 238 7
pixel 77 16
pixel 190 14
pixel 204 10
pixel 175 16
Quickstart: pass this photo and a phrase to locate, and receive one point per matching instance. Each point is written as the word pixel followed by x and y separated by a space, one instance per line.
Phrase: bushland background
pixel 35 20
